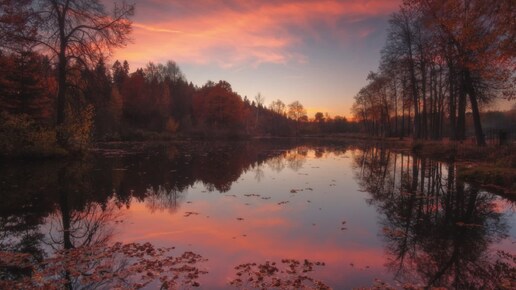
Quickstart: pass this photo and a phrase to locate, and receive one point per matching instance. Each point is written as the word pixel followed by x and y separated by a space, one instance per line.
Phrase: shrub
pixel 20 135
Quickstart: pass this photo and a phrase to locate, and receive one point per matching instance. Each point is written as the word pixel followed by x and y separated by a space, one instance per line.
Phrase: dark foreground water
pixel 250 214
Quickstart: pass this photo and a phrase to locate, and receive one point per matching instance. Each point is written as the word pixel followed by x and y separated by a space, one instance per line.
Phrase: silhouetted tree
pixel 74 32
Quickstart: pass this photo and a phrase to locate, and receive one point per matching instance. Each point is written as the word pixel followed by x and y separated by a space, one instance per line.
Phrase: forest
pixel 157 102
pixel 59 93
pixel 442 63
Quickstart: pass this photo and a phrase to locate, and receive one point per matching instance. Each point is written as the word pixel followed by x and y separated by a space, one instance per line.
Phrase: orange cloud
pixel 231 35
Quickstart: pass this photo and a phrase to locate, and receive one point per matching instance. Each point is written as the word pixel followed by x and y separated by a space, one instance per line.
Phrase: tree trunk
pixel 452 105
pixel 461 120
pixel 473 98
pixel 61 78
pixel 424 117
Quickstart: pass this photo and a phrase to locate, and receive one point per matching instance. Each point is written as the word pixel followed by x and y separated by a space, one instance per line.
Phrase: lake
pixel 251 215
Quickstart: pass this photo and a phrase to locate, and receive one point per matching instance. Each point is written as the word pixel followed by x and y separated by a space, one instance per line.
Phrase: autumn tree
pixel 480 43
pixel 440 57
pixel 218 107
pixel 27 85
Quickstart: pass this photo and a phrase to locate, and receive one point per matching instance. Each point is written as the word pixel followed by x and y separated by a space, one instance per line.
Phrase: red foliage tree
pixel 217 106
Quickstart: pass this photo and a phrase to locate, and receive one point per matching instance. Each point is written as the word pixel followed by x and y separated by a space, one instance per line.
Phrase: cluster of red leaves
pixel 289 274
pixel 120 266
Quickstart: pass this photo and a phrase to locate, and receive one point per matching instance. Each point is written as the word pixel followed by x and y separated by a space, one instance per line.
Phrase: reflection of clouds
pixel 161 199
pixel 85 227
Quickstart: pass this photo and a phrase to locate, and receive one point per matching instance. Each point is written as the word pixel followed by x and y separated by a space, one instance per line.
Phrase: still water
pixel 253 214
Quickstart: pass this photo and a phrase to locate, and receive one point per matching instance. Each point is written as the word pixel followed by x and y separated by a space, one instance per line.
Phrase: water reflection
pixel 438 231
pixel 280 201
pixel 163 198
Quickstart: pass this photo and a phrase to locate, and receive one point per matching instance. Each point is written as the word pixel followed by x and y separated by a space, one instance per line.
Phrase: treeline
pixel 108 102
pixel 441 60
pixel 57 93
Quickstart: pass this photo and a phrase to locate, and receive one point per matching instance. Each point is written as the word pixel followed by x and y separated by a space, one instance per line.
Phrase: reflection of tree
pixel 69 207
pixel 78 221
pixel 78 231
pixel 258 173
pixel 81 227
pixel 296 158
pixel 437 230
pixel 277 163
pixel 163 198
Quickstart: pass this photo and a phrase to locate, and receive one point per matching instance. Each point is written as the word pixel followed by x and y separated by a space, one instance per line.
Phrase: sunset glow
pixel 317 52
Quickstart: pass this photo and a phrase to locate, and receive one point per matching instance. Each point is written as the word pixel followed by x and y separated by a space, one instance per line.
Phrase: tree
pixel 441 56
pixel 483 47
pixel 278 107
pixel 260 99
pixel 120 73
pixel 26 85
pixel 73 32
pixel 296 111
pixel 217 106
pixel 319 117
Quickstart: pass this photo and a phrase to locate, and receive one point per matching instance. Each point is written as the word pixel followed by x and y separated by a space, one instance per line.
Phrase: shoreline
pixel 492 167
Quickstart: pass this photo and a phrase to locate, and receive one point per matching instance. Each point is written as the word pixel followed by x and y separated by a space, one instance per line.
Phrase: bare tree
pixel 259 100
pixel 277 107
pixel 71 32
pixel 296 111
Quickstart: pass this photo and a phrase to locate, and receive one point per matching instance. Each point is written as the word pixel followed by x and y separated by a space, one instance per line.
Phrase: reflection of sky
pixel 274 232
pixel 325 194
pixel 317 52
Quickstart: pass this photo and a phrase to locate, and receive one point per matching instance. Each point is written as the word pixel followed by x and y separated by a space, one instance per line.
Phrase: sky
pixel 316 52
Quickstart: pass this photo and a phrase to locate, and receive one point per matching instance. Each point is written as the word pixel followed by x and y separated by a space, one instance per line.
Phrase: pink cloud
pixel 243 32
